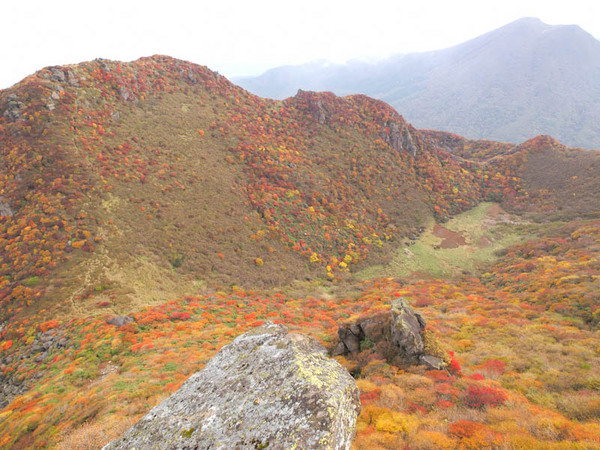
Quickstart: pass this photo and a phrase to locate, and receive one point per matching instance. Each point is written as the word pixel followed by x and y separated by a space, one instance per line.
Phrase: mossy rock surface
pixel 267 389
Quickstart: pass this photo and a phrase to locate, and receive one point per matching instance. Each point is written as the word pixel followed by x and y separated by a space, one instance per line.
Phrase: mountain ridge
pixel 510 84
pixel 159 192
pixel 102 158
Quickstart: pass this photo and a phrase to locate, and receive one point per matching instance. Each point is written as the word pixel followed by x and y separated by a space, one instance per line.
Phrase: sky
pixel 248 37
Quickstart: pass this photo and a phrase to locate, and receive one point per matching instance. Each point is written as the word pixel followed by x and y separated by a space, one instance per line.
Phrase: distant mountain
pixel 511 84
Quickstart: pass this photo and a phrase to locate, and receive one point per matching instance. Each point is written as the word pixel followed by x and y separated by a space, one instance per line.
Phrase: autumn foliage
pixel 130 184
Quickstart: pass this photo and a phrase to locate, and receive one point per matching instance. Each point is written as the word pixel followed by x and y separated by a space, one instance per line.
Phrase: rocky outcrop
pixel 397 334
pixel 315 105
pixel 354 336
pixel 407 328
pixel 267 389
pixel 13 108
pixel 119 321
pixel 17 362
pixel 5 209
pixel 399 136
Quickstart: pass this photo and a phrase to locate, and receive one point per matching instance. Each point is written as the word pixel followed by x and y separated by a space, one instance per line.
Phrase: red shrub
pixel 481 396
pixel 454 367
pixel 48 325
pixel 476 376
pixel 464 428
pixel 494 366
pixel 180 316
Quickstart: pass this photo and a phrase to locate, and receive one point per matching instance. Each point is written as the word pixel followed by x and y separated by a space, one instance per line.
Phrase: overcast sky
pixel 248 37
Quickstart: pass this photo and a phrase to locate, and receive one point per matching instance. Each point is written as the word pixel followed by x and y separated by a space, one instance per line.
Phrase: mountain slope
pixel 159 190
pixel 124 184
pixel 511 84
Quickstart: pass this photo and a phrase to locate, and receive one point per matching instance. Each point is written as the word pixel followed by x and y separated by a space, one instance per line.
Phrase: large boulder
pixel 363 332
pixel 267 389
pixel 407 328
pixel 398 335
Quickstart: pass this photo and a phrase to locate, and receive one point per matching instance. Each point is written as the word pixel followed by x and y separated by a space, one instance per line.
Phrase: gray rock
pixel 14 107
pixel 72 78
pixel 267 389
pixel 124 93
pixel 5 211
pixel 374 328
pixel 57 74
pixel 398 335
pixel 407 326
pixel 191 77
pixel 432 362
pixel 37 347
pixel 377 327
pixel 350 338
pixel 400 137
pixel 120 321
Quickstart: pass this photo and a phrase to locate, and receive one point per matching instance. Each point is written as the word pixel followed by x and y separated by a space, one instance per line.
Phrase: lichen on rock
pixel 267 389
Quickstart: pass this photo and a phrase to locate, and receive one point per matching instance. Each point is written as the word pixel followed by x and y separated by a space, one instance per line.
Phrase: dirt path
pixel 450 238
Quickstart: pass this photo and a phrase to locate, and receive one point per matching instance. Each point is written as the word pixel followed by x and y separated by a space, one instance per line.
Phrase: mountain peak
pixel 510 84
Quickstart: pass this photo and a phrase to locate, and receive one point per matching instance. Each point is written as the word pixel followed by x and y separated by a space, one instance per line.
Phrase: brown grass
pixel 93 436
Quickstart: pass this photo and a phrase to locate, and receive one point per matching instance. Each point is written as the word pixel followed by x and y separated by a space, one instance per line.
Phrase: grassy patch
pixel 486 229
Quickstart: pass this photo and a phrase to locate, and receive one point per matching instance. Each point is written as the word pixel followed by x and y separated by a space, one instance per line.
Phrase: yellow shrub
pixel 395 422
pixel 391 396
pixel 525 442
pixel 365 385
pixel 432 440
pixel 464 344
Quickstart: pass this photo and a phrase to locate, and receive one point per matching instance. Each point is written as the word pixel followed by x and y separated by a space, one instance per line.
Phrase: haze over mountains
pixel 511 84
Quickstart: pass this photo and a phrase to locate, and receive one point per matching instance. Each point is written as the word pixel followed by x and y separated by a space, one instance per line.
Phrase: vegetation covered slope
pixel 524 375
pixel 511 84
pixel 158 189
pixel 126 182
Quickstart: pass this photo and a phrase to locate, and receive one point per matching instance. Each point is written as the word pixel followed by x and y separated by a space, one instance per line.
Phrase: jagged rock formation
pixel 5 209
pixel 13 108
pixel 407 328
pixel 399 335
pixel 267 389
pixel 399 137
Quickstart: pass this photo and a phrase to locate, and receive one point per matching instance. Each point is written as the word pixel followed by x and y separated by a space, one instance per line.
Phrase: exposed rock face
pixel 5 209
pixel 13 108
pixel 119 321
pixel 398 335
pixel 400 138
pixel 375 328
pixel 267 389
pixel 407 328
pixel 41 350
pixel 316 107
